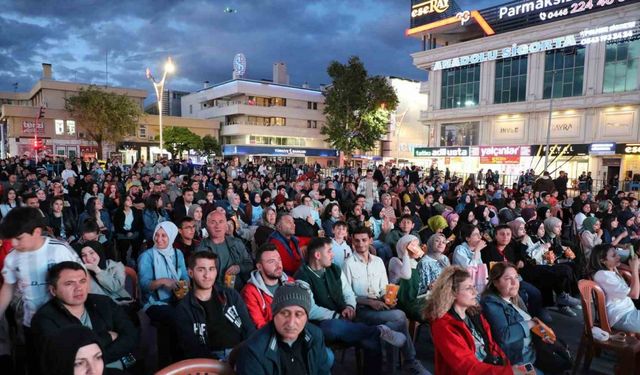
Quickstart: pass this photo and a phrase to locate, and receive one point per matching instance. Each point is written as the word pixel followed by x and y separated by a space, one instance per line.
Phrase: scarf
pixel 165 262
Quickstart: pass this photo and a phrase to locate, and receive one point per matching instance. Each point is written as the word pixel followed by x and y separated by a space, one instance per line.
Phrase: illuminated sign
pixel 600 34
pixel 549 9
pixel 628 148
pixel 560 150
pixel 428 7
pixel 440 151
pixel 602 149
pixel 500 154
pixel 29 127
pixel 278 151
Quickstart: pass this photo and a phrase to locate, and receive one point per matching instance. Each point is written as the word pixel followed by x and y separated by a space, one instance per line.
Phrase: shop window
pixel 142 131
pixel 511 80
pixel 621 66
pixel 460 87
pixel 71 127
pixel 59 124
pixel 460 134
pixel 568 66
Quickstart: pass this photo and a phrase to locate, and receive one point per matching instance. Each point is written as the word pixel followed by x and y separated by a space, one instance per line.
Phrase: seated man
pixel 336 307
pixel 367 276
pixel 405 226
pixel 287 345
pixel 211 320
pixel 73 305
pixel 264 281
pixel 287 243
pixel 186 241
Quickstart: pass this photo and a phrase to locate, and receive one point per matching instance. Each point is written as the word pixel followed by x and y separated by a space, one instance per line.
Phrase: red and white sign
pixel 28 127
pixel 499 154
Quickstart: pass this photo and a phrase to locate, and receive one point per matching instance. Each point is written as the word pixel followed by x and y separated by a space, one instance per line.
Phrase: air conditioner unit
pixel 151 138
pixel 81 135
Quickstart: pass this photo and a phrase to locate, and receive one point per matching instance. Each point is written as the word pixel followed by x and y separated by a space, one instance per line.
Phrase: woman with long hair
pixel 153 214
pixel 266 226
pixel 94 209
pixel 462 337
pixel 111 197
pixel 507 315
pixel 93 191
pixel 9 202
pixel 331 215
pixel 196 213
pixel 61 220
pixel 621 311
pixel 128 226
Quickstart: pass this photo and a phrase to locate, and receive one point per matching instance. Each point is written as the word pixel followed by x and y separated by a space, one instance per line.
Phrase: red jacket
pixel 258 299
pixel 289 251
pixel 455 349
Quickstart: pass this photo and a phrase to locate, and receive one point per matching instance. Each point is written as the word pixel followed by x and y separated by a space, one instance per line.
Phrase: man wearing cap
pixel 288 344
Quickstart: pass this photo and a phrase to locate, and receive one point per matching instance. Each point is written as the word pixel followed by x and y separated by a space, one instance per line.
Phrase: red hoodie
pixel 258 298
pixel 455 349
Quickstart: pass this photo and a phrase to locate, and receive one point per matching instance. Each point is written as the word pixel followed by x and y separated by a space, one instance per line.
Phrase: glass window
pixel 460 87
pixel 460 134
pixel 71 127
pixel 511 80
pixel 142 131
pixel 621 66
pixel 564 70
pixel 59 127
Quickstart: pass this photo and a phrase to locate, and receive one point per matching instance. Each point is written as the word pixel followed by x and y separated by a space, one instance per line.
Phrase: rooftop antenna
pixel 106 68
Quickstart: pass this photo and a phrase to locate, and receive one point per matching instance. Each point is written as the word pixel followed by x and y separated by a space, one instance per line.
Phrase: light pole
pixel 159 87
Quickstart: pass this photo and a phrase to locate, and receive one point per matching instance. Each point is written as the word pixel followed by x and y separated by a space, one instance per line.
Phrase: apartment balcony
pixel 246 108
pixel 274 130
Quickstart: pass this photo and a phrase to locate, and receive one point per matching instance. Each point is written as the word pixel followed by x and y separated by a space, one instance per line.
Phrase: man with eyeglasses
pixel 186 241
pixel 288 344
pixel 233 258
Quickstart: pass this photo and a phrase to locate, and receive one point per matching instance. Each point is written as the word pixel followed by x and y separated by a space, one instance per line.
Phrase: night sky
pixel 202 38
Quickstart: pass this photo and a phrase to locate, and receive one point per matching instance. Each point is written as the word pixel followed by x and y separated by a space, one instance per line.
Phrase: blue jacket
pixel 508 328
pixel 259 354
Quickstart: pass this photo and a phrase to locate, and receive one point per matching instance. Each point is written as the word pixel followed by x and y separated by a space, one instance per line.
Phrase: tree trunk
pixel 100 151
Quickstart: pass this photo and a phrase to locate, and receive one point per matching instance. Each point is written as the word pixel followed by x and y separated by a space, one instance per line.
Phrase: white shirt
pixel 366 279
pixel 616 292
pixel 66 174
pixel 29 270
pixel 341 252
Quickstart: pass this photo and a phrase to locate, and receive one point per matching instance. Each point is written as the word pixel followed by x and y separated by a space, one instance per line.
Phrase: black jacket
pixel 118 221
pixel 192 321
pixel 259 355
pixel 105 316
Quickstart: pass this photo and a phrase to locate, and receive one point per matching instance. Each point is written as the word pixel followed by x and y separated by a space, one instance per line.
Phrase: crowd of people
pixel 269 266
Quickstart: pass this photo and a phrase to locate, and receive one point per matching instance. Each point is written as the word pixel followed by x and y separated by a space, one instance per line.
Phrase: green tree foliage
pixel 104 116
pixel 356 107
pixel 210 146
pixel 178 140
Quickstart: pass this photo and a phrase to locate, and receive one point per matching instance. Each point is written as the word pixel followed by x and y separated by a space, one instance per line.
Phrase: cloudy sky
pixel 76 36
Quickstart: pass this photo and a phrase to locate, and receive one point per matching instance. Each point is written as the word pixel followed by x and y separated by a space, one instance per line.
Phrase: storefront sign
pixel 607 33
pixel 564 149
pixel 512 129
pixel 278 151
pixel 28 127
pixel 610 162
pixel 617 124
pixel 440 151
pixel 602 149
pixel 499 154
pixel 428 7
pixel 628 149
pixel 562 127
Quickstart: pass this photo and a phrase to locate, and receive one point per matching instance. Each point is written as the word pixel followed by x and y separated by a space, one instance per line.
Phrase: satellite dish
pixel 239 65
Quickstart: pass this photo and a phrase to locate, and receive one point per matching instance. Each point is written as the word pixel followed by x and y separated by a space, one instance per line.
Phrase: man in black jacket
pixel 212 319
pixel 73 305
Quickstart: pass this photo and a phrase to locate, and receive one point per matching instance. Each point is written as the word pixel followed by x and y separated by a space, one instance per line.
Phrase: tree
pixel 210 146
pixel 177 140
pixel 104 116
pixel 356 107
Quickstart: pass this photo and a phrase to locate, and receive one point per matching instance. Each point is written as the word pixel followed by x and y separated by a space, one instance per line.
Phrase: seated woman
pixel 591 235
pixel 403 270
pixel 127 221
pixel 153 214
pixel 621 311
pixel 507 315
pixel 431 266
pixel 195 212
pixel 161 270
pixel 330 216
pixel 107 276
pixel 462 337
pixel 94 209
pixel 266 226
pixel 468 252
pixel 61 220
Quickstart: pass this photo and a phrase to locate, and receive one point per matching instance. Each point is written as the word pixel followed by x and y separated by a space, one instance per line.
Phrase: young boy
pixel 341 249
pixel 25 268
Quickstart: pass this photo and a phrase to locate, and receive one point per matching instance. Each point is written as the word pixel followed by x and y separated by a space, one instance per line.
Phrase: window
pixel 142 131
pixel 511 80
pixel 567 64
pixel 621 66
pixel 309 105
pixel 266 121
pixel 309 124
pixel 59 124
pixel 459 134
pixel 315 105
pixel 312 124
pixel 71 127
pixel 460 87
pixel 190 108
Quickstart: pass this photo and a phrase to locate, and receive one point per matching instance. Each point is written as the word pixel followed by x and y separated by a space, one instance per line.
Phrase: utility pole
pixel 35 130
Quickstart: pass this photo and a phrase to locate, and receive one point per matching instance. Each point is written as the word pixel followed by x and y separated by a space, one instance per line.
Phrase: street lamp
pixel 169 68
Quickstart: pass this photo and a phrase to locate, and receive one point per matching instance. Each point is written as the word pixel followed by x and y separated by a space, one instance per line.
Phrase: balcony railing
pixel 243 102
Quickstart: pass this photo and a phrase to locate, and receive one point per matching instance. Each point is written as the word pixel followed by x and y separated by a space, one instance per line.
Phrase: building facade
pixel 503 80
pixel 265 119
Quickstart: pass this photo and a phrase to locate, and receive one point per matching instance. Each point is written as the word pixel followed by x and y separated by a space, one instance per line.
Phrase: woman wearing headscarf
pixel 254 209
pixel 432 265
pixel 380 224
pixel 605 209
pixel 482 215
pixel 403 270
pixel 543 212
pixel 107 276
pixel 162 276
pixel 591 235
pixel 451 230
pixel 435 224
pixel 74 349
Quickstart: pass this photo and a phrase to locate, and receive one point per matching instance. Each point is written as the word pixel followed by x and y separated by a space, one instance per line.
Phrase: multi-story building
pixel 505 81
pixel 265 118
pixel 60 134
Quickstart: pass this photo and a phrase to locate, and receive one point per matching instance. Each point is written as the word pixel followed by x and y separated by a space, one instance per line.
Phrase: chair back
pixel 592 298
pixel 199 366
pixel 626 275
pixel 131 283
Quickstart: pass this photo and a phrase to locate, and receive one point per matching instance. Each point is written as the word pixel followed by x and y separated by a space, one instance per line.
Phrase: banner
pixel 500 154
pixel 29 127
